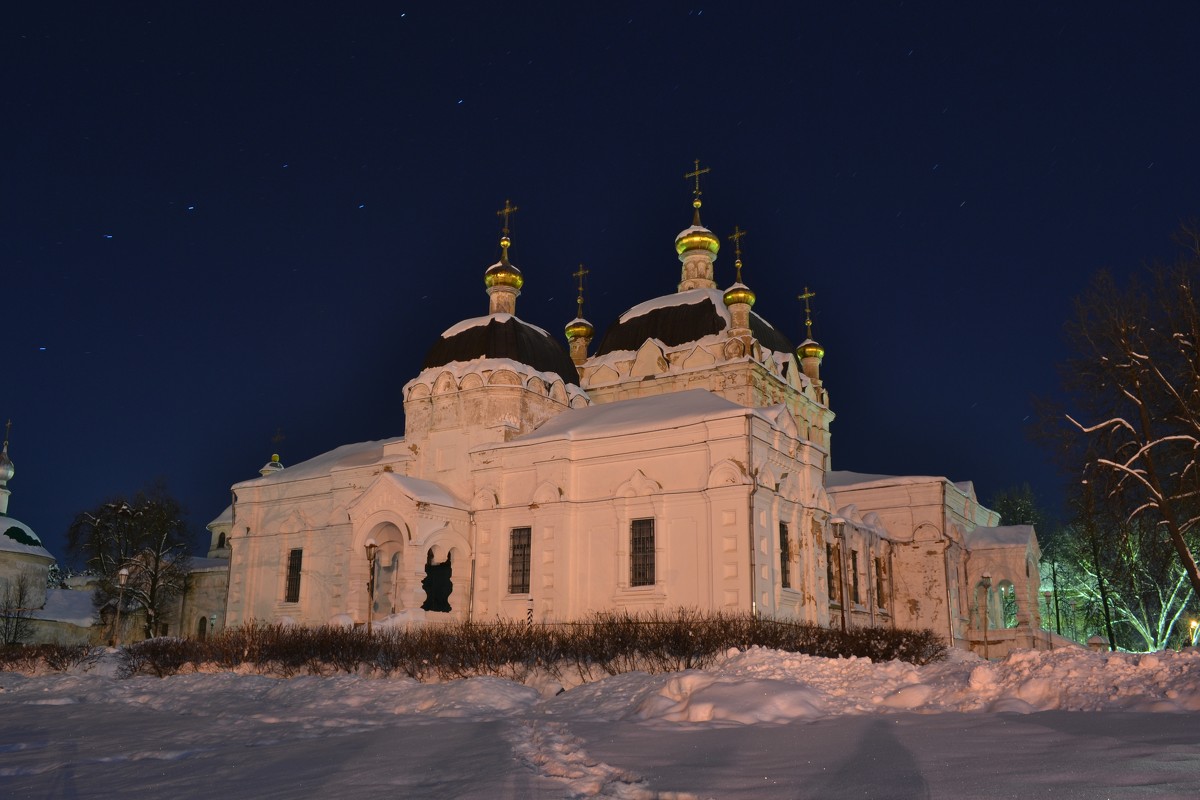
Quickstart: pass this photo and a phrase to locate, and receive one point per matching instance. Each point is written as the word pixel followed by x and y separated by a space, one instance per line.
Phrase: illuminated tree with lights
pixel 1135 398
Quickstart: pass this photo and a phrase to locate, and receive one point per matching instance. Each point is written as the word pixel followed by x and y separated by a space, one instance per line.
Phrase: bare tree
pixel 16 608
pixel 146 536
pixel 1135 386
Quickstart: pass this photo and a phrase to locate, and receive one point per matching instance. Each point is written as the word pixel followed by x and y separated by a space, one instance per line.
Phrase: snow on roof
pixel 225 518
pixel 638 416
pixel 844 479
pixel 690 297
pixel 17 537
pixel 1002 536
pixel 348 455
pixel 424 491
pixel 477 322
pixel 196 564
pixel 459 369
pixel 73 606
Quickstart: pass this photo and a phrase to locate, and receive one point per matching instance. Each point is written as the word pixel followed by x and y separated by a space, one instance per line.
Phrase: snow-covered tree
pixel 148 537
pixel 1135 396
pixel 16 608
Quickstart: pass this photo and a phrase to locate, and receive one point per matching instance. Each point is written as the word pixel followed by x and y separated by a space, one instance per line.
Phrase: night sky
pixel 221 223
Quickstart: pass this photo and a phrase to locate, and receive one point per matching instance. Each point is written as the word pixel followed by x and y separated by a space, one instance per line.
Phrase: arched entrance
pixel 437 583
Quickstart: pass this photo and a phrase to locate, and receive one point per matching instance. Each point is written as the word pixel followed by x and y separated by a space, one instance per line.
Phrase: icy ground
pixel 762 724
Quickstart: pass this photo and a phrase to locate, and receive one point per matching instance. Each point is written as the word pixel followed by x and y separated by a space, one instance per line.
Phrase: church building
pixel 682 462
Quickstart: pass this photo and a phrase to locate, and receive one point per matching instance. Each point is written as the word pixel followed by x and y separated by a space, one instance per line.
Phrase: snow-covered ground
pixel 762 724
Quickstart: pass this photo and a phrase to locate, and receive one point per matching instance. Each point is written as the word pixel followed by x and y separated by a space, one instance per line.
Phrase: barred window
pixel 785 557
pixel 833 572
pixel 292 592
pixel 880 582
pixel 518 561
pixel 857 598
pixel 641 552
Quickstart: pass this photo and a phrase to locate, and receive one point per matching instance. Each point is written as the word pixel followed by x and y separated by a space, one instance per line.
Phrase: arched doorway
pixel 202 629
pixel 437 583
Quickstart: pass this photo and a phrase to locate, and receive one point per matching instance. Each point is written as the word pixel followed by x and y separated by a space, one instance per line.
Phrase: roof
pixel 423 491
pixel 17 537
pixel 1002 536
pixel 73 606
pixel 502 336
pixel 225 518
pixel 845 479
pixel 360 454
pixel 638 416
pixel 683 317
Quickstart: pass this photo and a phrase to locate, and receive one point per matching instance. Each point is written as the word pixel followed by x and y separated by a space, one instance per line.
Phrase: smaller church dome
pixel 271 467
pixel 739 293
pixel 810 349
pixel 503 273
pixel 697 237
pixel 579 328
pixel 6 467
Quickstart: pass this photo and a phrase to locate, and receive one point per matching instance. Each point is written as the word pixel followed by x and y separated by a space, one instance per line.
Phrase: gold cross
pixel 807 312
pixel 736 238
pixel 696 174
pixel 579 274
pixel 508 209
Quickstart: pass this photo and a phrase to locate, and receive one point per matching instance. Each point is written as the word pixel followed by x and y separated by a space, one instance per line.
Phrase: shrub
pixel 609 643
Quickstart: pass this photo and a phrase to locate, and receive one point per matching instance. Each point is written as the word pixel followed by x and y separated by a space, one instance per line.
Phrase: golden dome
pixel 810 349
pixel 739 293
pixel 697 238
pixel 579 329
pixel 503 274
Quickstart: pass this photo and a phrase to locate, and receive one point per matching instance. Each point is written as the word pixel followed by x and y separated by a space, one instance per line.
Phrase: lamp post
pixel 1194 625
pixel 122 579
pixel 985 580
pixel 372 548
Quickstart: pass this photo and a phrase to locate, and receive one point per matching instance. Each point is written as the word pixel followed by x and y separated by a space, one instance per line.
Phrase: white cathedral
pixel 684 463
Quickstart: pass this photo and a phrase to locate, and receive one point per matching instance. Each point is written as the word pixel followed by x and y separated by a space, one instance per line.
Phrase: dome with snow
pixel 17 537
pixel 683 317
pixel 502 336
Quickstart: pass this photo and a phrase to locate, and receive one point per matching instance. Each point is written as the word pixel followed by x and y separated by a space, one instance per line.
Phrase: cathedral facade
pixel 682 462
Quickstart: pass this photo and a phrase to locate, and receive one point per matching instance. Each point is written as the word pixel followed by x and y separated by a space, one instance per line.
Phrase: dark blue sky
pixel 222 220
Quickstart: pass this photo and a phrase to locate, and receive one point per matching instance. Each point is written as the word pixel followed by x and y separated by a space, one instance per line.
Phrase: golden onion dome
pixel 810 349
pixel 503 273
pixel 697 238
pixel 579 329
pixel 739 293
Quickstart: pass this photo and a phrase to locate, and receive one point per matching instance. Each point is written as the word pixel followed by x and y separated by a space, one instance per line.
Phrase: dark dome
pixel 681 318
pixel 503 336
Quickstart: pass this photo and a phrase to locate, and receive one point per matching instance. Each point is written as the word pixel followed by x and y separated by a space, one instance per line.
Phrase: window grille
pixel 854 593
pixel 785 557
pixel 833 572
pixel 292 594
pixel 518 561
pixel 641 552
pixel 880 582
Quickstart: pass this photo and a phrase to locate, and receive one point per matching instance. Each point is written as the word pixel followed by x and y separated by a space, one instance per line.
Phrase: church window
pixel 833 572
pixel 880 582
pixel 221 541
pixel 785 557
pixel 855 596
pixel 292 592
pixel 518 561
pixel 641 552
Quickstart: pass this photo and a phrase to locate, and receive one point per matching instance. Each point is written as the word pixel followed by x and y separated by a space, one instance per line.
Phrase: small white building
pixel 685 463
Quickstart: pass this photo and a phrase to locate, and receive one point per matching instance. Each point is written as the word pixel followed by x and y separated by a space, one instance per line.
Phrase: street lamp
pixel 122 579
pixel 1194 624
pixel 985 580
pixel 372 548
